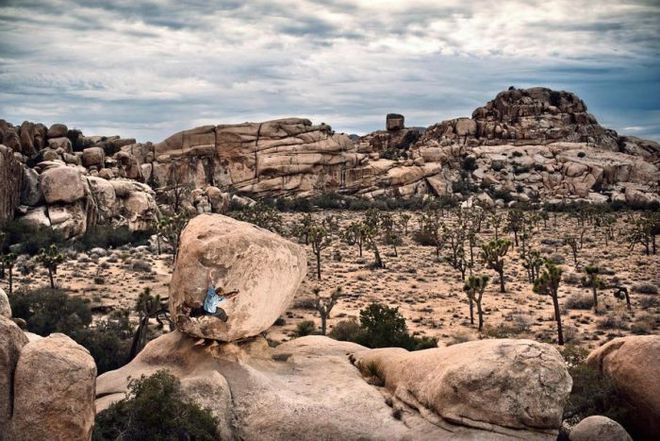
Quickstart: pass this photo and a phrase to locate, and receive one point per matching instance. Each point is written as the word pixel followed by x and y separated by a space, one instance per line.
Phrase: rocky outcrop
pixel 264 267
pixel 632 364
pixel 526 116
pixel 11 174
pixel 305 389
pixel 542 145
pixel 519 384
pixel 47 387
pixel 598 428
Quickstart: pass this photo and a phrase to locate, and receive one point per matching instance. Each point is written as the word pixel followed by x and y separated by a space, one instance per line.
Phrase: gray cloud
pixel 149 68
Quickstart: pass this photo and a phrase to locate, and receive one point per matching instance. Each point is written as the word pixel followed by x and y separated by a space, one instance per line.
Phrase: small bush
pixel 347 330
pixel 48 310
pixel 612 321
pixel 156 409
pixel 645 288
pixel 579 301
pixel 306 327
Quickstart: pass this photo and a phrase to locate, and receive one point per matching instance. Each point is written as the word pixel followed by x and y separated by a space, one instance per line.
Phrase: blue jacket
pixel 211 301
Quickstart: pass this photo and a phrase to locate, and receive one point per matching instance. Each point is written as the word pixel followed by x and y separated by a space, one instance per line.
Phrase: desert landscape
pixel 329 221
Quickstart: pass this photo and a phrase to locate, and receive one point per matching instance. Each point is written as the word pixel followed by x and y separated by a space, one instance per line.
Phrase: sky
pixel 147 69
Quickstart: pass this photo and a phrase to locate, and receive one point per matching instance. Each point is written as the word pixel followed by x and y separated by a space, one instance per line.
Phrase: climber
pixel 214 295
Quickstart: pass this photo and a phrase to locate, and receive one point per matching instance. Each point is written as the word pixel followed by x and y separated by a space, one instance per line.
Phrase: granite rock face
pixel 266 269
pixel 307 389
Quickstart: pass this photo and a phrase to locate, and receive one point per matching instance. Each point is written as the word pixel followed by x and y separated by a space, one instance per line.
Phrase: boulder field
pixel 526 145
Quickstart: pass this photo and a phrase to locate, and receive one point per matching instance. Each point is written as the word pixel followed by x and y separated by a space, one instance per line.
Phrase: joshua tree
pixel 325 305
pixel 320 239
pixel 592 280
pixel 392 234
pixel 372 223
pixel 355 234
pixel 8 261
pixel 548 283
pixel 2 249
pixel 496 221
pixel 51 258
pixel 475 287
pixel 492 254
pixel 532 263
pixel 432 228
pixel 621 292
pixel 147 306
pixel 515 220
pixel 608 222
pixel 301 229
pixel 404 220
pixel 544 216
pixel 572 242
pixel 456 239
pixel 643 230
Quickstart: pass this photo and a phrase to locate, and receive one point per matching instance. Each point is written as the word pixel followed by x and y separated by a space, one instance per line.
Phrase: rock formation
pixel 47 387
pixel 632 364
pixel 519 384
pixel 526 145
pixel 264 267
pixel 307 389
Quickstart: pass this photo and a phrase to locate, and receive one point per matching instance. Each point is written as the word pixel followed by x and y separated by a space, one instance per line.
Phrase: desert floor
pixel 427 292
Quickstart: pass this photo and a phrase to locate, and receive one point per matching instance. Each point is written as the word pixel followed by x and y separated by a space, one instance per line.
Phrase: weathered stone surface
pixel 11 176
pixel 57 131
pixel 598 428
pixel 35 218
pixel 30 190
pixel 5 307
pixel 54 390
pixel 70 219
pixel 93 157
pixel 394 121
pixel 104 194
pixel 305 389
pixel 266 268
pixel 62 144
pixel 62 184
pixel 12 340
pixel 519 384
pixel 632 364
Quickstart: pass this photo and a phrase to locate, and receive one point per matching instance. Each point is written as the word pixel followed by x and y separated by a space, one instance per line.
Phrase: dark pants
pixel 200 311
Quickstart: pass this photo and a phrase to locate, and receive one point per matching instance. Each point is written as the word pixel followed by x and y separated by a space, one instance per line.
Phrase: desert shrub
pixel 306 327
pixel 648 302
pixel 645 288
pixel 469 163
pixel 516 154
pixel 502 331
pixel 156 408
pixel 305 303
pixel 30 240
pixel 643 325
pixel 347 330
pixel 520 169
pixel 579 301
pixel 497 166
pixel 612 321
pixel 47 310
pixel 592 393
pixel 581 154
pixel 424 237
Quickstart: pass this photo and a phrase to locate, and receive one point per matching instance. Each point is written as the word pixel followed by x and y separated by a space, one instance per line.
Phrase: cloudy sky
pixel 146 69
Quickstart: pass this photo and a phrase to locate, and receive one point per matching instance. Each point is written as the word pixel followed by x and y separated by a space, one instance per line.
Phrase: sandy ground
pixel 427 292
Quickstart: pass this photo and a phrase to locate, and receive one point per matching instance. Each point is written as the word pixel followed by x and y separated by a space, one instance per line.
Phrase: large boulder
pixel 93 157
pixel 266 268
pixel 62 184
pixel 305 389
pixel 54 390
pixel 519 384
pixel 598 428
pixel 633 365
pixel 57 131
